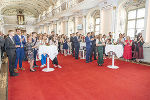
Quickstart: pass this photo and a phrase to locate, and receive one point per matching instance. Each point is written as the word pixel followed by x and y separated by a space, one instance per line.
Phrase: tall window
pixel 135 22
pixel 97 26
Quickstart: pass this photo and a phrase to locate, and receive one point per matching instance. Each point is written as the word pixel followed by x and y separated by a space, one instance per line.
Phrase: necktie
pixel 12 39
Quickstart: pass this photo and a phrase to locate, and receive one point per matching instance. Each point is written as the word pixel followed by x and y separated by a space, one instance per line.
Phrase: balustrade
pixel 64 6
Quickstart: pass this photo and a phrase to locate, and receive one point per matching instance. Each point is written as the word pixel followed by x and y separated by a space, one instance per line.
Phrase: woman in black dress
pixel 65 45
pixel 138 51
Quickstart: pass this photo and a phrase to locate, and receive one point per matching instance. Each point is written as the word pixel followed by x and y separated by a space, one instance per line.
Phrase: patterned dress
pixel 30 51
pixel 138 50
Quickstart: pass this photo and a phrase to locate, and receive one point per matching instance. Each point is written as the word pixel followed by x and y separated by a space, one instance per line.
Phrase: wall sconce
pixel 114 7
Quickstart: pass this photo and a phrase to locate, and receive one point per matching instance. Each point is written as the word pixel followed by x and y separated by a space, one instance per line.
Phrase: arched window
pixel 135 22
pixel 96 22
pixel 97 26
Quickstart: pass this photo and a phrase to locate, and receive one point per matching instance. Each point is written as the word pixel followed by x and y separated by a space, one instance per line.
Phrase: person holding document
pixel 11 52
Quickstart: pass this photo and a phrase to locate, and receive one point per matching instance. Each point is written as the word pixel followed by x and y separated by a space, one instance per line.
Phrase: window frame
pixel 97 25
pixel 136 19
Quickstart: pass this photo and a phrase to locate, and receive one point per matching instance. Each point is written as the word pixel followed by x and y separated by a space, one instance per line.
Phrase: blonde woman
pixel 44 56
pixel 100 44
pixel 65 45
pixel 127 49
pixel 61 46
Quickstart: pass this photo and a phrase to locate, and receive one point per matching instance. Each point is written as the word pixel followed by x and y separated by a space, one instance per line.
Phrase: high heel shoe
pixel 32 70
pixel 99 64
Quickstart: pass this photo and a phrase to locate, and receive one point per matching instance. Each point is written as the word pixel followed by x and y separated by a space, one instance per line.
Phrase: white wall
pixel 146 34
pixel 121 21
pixel 106 26
pixel 8 27
pixel 10 23
pixel 29 28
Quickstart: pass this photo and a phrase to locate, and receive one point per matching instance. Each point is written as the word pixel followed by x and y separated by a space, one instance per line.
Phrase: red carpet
pixel 80 81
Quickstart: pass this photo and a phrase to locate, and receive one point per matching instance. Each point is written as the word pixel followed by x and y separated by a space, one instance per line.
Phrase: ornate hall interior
pixel 77 79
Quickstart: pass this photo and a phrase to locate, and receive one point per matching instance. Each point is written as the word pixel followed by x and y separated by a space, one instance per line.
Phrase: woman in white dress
pixel 54 41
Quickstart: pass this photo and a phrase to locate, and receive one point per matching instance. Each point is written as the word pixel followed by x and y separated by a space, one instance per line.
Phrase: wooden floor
pixel 3 81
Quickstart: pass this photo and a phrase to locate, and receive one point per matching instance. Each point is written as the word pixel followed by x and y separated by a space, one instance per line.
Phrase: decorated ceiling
pixel 29 7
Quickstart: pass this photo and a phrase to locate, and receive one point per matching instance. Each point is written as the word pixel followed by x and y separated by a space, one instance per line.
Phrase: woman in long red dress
pixel 127 49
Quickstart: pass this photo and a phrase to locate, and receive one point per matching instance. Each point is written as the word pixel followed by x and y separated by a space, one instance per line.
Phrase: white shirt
pixel 97 41
pixel 104 39
pixel 21 40
pixel 12 39
pixel 19 36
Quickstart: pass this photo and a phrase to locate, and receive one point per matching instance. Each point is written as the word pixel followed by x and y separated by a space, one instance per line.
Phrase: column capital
pixel 84 12
pixel 65 18
pixel 47 23
pixel 113 2
pixel 41 24
pixel 108 4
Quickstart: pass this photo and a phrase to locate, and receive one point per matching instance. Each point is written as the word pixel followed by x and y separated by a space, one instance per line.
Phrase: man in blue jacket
pixel 72 43
pixel 20 43
pixel 93 46
pixel 88 47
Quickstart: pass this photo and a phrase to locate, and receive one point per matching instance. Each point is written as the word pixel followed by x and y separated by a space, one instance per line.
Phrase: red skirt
pixel 127 52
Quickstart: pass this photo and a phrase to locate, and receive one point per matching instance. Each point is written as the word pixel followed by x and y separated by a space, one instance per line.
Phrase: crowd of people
pixel 21 46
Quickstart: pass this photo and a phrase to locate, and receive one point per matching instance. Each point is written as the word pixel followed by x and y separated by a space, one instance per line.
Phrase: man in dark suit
pixel 77 45
pixel 11 52
pixel 2 40
pixel 93 46
pixel 51 35
pixel 72 43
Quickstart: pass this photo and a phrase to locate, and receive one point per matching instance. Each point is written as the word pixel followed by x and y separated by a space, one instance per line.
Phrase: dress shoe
pixel 21 68
pixel 14 74
pixel 99 64
pixel 55 66
pixel 41 66
pixel 59 66
pixel 36 66
pixel 91 60
pixel 32 70
pixel 87 61
pixel 15 70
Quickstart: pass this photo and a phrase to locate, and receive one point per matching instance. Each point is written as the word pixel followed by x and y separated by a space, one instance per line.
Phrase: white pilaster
pixel 84 25
pixel 67 33
pixel 101 19
pixel 146 34
pixel 114 18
